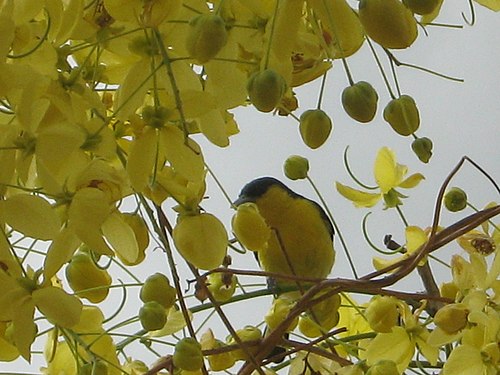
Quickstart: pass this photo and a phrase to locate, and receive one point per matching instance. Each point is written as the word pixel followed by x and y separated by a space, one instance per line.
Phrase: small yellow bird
pixel 301 242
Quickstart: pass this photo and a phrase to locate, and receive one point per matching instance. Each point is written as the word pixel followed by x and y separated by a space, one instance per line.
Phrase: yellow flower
pixel 415 238
pixel 20 294
pixel 484 242
pixel 62 356
pixel 399 344
pixel 389 175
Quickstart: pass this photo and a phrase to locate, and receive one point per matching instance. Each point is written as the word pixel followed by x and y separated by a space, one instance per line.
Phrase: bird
pixel 301 243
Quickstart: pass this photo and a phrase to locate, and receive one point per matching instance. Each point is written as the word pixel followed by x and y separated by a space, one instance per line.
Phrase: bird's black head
pixel 257 188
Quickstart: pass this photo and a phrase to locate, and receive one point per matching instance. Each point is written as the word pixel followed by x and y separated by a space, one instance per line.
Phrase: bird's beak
pixel 242 199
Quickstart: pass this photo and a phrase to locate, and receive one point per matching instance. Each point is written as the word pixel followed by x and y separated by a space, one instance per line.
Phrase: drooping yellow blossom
pixel 20 295
pixel 389 175
pixel 399 345
pixel 415 238
pixel 91 342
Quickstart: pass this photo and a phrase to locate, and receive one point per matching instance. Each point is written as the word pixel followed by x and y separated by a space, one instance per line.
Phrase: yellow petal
pixel 387 173
pixel 60 251
pixel 91 320
pixel 395 346
pixel 8 352
pixel 175 322
pixel 121 237
pixel 285 26
pixel 56 143
pixel 412 181
pixel 24 328
pixel 415 237
pixel 213 126
pixel 342 25
pixel 58 306
pixel 184 154
pixel 490 4
pixel 381 263
pixel 464 354
pixel 358 197
pixel 134 87
pixel 31 215
pixel 88 210
pixel 7 28
pixel 227 85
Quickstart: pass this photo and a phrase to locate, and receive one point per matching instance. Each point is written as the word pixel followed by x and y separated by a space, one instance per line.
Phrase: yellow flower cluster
pixel 102 101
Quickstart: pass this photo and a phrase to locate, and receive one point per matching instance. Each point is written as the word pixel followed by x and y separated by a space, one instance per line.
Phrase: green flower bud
pixel 455 199
pixel 383 367
pixel 360 101
pixel 382 313
pixel 296 167
pixel 152 316
pixel 388 22
pixel 402 114
pixel 222 285
pixel 422 147
pixel 157 288
pixel 452 318
pixel 82 273
pixel 188 355
pixel 265 89
pixel 206 36
pixel 421 7
pixel 315 127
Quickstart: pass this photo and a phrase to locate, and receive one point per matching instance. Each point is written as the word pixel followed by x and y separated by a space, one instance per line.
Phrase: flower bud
pixel 402 114
pixel 296 167
pixel 206 36
pixel 360 101
pixel 421 7
pixel 82 273
pixel 451 318
pixel 455 199
pixel 157 288
pixel 315 127
pixel 250 227
pixel 222 285
pixel 188 355
pixel 152 316
pixel 265 89
pixel 388 22
pixel 201 240
pixel 382 313
pixel 422 147
pixel 383 367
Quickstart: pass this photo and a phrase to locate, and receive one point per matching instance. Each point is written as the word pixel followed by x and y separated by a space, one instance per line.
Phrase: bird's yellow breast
pixel 301 243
